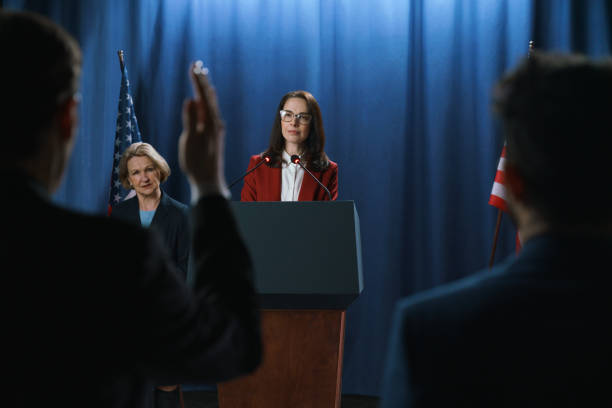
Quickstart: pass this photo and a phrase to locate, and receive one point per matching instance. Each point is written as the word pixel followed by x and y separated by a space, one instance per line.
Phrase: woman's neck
pixel 292 149
pixel 149 202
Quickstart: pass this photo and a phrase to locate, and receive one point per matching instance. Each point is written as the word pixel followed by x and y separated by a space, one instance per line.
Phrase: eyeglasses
pixel 287 116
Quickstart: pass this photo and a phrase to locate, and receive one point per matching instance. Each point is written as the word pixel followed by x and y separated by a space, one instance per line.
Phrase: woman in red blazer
pixel 297 130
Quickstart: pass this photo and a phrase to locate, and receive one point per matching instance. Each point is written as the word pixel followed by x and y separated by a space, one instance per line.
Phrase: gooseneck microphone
pixel 265 159
pixel 296 159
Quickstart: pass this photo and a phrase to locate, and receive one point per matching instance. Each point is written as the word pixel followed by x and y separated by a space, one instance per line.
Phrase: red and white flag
pixel 499 192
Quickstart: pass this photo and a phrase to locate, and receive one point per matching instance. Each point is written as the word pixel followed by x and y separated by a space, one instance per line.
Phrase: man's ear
pixel 67 119
pixel 514 181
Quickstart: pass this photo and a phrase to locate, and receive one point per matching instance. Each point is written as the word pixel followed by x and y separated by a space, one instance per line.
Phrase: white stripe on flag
pixel 499 190
pixel 131 194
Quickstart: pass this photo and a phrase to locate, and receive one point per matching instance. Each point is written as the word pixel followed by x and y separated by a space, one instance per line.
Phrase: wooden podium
pixel 307 263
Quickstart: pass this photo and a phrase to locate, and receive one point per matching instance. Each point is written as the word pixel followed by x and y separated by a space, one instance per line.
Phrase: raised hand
pixel 201 145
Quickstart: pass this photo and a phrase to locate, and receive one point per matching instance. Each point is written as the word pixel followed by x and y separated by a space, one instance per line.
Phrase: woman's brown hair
pixel 314 153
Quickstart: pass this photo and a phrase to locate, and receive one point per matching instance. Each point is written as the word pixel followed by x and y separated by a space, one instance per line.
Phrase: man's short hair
pixel 557 117
pixel 41 65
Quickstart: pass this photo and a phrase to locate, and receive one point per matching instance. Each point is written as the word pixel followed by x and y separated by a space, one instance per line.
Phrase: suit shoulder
pixel 126 203
pixel 177 204
pixel 88 233
pixel 124 208
pixel 469 290
pixel 253 160
pixel 332 167
pixel 175 207
pixel 116 227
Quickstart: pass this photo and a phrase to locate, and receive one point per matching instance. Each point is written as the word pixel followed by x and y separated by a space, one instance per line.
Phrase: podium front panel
pixel 306 255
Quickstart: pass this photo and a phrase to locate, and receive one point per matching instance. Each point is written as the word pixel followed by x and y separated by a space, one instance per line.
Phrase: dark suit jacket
pixel 94 312
pixel 170 220
pixel 533 332
pixel 264 184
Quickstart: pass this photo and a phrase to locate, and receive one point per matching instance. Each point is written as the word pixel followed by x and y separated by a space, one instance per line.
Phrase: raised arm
pixel 211 334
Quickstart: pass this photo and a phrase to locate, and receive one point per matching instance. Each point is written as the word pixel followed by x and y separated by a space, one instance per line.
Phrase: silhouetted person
pixel 94 312
pixel 534 331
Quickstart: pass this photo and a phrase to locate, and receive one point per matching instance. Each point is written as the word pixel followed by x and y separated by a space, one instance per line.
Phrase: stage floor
pixel 208 399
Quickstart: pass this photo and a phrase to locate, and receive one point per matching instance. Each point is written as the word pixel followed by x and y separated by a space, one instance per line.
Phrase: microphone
pixel 266 159
pixel 296 159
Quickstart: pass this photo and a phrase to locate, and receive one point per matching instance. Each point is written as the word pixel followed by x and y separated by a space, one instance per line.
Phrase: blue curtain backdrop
pixel 404 87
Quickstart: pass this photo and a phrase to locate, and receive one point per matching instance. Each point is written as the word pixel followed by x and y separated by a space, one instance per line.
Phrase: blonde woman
pixel 143 169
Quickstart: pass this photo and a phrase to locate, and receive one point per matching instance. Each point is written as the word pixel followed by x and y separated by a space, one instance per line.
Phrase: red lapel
pixel 307 191
pixel 272 185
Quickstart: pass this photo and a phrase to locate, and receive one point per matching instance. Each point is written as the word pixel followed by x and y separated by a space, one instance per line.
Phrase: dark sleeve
pixel 209 334
pixel 125 211
pixel 117 213
pixel 249 189
pixel 183 244
pixel 396 390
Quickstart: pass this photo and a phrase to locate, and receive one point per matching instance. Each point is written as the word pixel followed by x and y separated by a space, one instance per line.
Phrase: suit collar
pixel 562 243
pixel 18 180
pixel 286 160
pixel 559 254
pixel 160 211
pixel 162 208
pixel 307 191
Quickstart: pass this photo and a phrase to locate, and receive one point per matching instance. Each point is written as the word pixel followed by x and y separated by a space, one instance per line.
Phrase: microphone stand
pixel 266 159
pixel 296 159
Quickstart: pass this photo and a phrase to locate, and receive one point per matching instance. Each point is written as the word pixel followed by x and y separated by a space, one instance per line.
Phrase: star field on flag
pixel 126 133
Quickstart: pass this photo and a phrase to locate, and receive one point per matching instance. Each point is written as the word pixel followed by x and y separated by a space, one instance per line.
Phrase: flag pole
pixel 121 55
pixel 530 49
pixel 121 63
pixel 497 226
pixel 499 211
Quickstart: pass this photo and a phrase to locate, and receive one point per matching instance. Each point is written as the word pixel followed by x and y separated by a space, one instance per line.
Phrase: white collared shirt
pixel 291 179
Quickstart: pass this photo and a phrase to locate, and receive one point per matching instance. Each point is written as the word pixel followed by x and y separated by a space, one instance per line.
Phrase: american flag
pixel 499 192
pixel 127 132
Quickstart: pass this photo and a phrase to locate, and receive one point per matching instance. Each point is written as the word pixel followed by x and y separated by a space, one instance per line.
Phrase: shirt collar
pixel 286 160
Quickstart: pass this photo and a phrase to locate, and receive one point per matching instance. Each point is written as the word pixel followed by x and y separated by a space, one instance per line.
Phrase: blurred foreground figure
pixel 534 331
pixel 94 311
